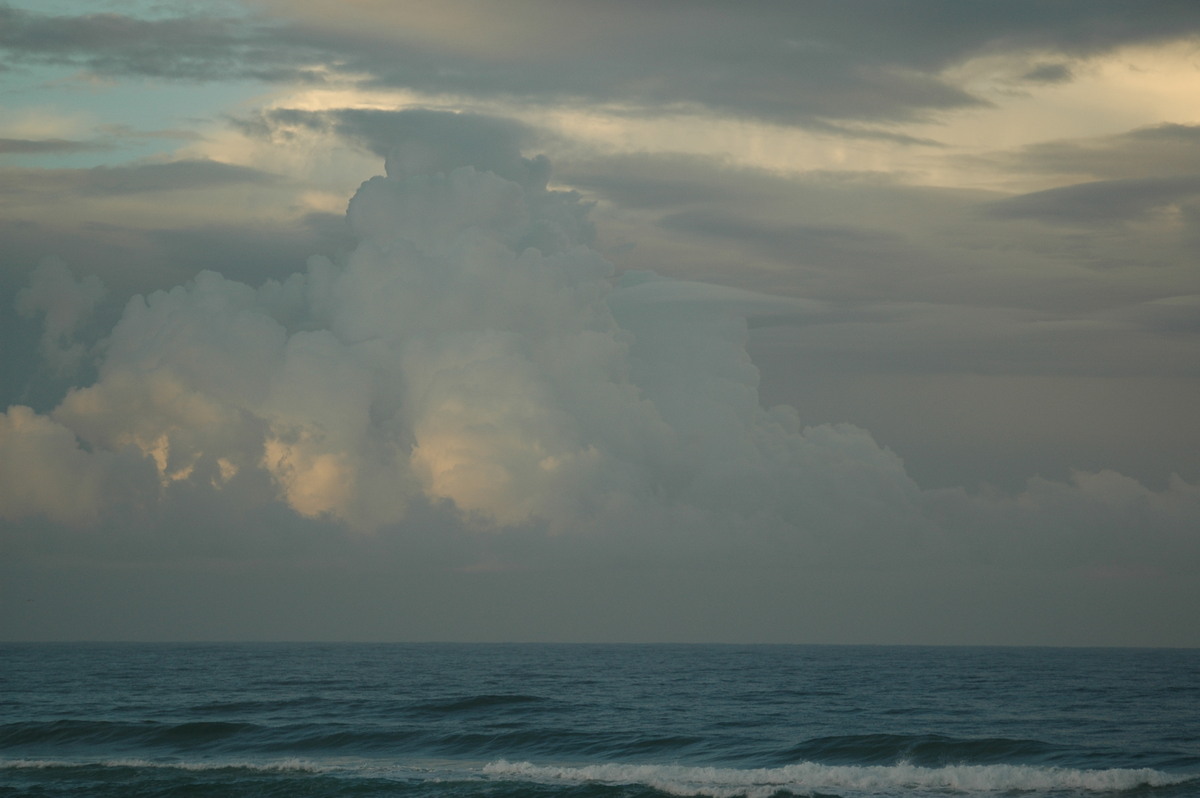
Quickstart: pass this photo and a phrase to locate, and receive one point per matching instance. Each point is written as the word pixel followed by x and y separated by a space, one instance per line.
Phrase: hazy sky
pixel 821 322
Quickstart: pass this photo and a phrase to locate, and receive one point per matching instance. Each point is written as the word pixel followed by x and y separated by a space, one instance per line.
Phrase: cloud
pixel 915 279
pixel 108 181
pixel 1096 519
pixel 130 259
pixel 172 176
pixel 430 141
pixel 1101 202
pixel 45 473
pixel 795 243
pixel 190 47
pixel 470 351
pixel 250 252
pixel 1048 73
pixel 811 64
pixel 1173 316
pixel 474 390
pixel 425 398
pixel 65 305
pixel 1158 151
pixel 662 181
pixel 40 146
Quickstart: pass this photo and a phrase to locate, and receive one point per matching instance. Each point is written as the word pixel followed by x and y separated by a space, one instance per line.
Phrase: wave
pixel 76 732
pixel 478 741
pixel 282 766
pixel 828 764
pixel 810 778
pixel 502 778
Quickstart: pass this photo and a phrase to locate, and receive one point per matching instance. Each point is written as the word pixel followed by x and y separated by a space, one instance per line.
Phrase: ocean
pixel 610 721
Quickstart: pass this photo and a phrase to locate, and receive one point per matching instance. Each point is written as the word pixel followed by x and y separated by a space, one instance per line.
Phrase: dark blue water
pixel 579 720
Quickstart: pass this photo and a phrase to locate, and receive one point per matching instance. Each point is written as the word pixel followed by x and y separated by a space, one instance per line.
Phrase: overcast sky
pixel 814 322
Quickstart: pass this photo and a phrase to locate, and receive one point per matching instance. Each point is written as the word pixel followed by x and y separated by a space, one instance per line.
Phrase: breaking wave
pixel 809 778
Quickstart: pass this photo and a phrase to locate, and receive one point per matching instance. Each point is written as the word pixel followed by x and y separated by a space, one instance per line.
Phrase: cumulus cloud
pixel 470 349
pixel 474 362
pixel 44 472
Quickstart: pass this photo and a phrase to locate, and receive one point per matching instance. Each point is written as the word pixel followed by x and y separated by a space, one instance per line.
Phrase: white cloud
pixel 447 356
pixel 44 472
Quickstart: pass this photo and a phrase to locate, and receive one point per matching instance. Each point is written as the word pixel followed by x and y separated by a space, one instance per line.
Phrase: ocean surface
pixel 610 721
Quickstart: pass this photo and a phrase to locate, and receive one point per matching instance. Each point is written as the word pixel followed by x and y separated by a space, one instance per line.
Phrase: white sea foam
pixel 809 777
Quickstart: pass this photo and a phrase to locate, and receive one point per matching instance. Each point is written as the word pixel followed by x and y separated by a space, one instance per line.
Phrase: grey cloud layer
pixel 183 47
pixel 172 176
pixel 1102 202
pixel 797 63
pixel 1168 150
pixel 40 146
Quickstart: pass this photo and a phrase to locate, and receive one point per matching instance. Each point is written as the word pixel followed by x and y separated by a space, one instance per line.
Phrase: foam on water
pixel 807 778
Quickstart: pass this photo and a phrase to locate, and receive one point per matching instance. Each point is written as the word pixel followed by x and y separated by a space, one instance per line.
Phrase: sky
pixel 765 322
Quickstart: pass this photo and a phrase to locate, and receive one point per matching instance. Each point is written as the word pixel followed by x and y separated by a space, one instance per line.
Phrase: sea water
pixel 595 720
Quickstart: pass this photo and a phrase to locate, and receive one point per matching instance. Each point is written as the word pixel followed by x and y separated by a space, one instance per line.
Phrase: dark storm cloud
pixel 794 63
pixel 1101 202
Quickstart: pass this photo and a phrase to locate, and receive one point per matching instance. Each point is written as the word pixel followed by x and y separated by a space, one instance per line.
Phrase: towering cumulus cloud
pixel 473 349
pixel 474 358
